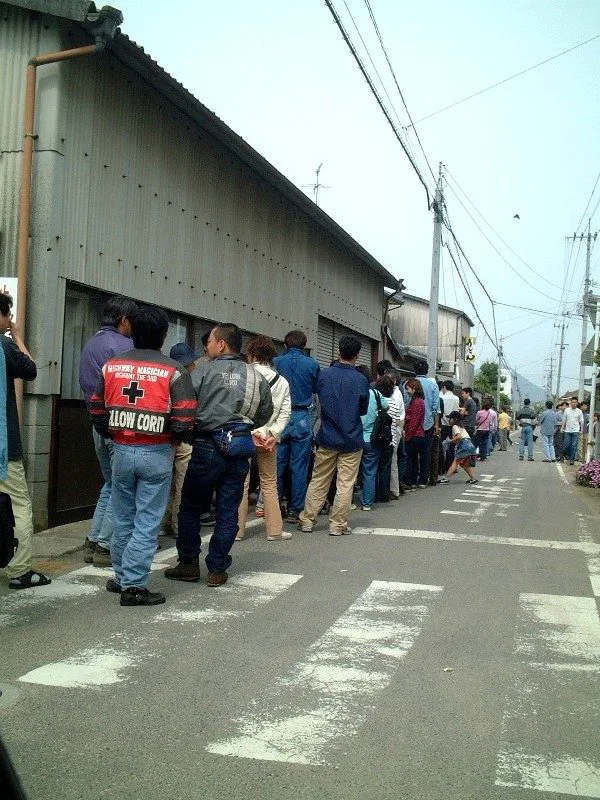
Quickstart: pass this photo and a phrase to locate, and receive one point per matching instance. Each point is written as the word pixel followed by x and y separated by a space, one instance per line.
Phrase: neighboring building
pixel 138 189
pixel 406 338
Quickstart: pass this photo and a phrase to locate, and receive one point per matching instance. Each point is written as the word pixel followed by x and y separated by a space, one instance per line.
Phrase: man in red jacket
pixel 145 402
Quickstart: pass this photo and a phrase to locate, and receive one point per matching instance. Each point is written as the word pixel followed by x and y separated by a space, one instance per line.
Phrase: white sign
pixel 470 349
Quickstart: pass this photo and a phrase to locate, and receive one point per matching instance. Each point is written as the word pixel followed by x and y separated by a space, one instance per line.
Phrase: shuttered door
pixel 329 335
pixel 325 342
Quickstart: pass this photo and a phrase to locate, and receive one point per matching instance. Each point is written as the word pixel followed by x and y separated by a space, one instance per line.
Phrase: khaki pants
pixel 183 453
pixel 16 486
pixel 267 471
pixel 326 463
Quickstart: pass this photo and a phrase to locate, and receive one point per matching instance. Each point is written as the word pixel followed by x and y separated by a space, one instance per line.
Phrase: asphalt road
pixel 428 655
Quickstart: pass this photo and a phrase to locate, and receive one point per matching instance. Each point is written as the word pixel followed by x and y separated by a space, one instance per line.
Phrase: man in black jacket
pixel 19 364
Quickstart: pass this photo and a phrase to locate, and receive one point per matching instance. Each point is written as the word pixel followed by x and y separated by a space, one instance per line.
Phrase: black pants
pixel 384 474
pixel 415 448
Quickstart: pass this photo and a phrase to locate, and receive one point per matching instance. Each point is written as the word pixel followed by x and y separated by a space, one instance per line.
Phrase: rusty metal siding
pixel 159 210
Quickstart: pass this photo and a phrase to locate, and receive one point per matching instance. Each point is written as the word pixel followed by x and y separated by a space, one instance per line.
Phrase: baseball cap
pixel 183 353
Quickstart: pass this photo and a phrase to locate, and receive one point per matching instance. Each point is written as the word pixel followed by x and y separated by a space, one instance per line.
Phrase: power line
pixel 588 204
pixel 525 308
pixel 367 77
pixel 529 267
pixel 508 264
pixel 389 63
pixel 510 78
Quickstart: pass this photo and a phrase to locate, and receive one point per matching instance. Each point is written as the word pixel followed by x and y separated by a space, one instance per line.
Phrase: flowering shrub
pixel 589 474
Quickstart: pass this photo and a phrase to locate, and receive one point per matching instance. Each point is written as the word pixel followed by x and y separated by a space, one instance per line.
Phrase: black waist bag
pixel 8 543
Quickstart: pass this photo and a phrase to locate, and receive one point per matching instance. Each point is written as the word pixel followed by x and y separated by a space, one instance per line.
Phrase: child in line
pixel 465 449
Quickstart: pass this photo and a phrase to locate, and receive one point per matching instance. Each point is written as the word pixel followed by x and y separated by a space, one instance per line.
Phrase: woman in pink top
pixel 484 420
pixel 414 434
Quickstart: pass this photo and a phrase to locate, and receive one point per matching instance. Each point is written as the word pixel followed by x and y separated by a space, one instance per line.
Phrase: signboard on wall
pixel 470 349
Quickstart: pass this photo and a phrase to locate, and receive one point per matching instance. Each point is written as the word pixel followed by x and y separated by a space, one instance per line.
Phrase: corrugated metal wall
pixel 157 209
pixel 329 335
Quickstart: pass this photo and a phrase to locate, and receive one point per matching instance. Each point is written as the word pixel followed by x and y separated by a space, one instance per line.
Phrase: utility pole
pixel 498 381
pixel 591 441
pixel 560 353
pixel 432 334
pixel 586 292
pixel 549 382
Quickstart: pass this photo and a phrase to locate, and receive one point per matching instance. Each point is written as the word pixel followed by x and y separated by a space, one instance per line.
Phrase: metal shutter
pixel 329 335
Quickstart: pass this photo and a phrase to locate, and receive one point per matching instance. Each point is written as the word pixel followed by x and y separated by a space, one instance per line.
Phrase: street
pixel 448 649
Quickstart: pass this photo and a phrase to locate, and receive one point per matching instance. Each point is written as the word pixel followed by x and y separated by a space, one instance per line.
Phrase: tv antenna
pixel 316 185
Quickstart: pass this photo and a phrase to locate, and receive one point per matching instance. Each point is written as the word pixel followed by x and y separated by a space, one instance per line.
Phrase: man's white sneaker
pixel 283 535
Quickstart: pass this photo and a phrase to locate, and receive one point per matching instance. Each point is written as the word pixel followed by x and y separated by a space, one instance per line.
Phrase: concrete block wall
pixel 36 435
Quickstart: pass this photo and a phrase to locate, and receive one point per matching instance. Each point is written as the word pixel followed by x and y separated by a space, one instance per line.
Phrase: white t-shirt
pixel 456 429
pixel 572 420
pixel 451 403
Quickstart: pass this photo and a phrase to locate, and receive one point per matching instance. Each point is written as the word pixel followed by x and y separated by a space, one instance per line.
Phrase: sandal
pixel 29 580
pixel 240 538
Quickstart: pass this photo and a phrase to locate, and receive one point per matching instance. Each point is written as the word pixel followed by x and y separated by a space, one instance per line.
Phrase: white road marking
pixel 490 503
pixel 96 667
pixel 242 595
pixel 561 472
pixel 584 547
pixel 558 639
pixel 322 700
pixel 28 598
pixel 593 564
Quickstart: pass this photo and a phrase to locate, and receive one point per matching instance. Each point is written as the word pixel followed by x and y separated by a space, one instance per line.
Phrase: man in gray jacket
pixel 233 399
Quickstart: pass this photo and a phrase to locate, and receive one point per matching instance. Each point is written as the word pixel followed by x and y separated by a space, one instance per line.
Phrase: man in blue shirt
pixel 431 421
pixel 301 372
pixel 344 397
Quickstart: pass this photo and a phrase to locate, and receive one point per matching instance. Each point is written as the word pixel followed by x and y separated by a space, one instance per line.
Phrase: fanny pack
pixel 234 442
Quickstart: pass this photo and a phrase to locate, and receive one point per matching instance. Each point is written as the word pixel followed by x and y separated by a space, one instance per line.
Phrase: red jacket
pixel 143 397
pixel 413 423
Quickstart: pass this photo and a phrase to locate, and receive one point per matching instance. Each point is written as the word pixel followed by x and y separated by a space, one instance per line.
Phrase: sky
pixel 279 73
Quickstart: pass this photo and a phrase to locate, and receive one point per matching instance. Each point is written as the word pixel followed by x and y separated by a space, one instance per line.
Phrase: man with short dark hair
pixel 145 401
pixel 572 426
pixel 233 399
pixel 301 372
pixel 527 420
pixel 16 364
pixel 112 338
pixel 344 397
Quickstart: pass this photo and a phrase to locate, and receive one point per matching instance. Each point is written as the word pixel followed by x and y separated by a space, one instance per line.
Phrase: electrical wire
pixel 371 85
pixel 510 78
pixel 529 267
pixel 588 204
pixel 525 308
pixel 389 63
pixel 508 264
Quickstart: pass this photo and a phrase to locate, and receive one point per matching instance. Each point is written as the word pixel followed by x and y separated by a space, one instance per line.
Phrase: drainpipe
pixel 103 25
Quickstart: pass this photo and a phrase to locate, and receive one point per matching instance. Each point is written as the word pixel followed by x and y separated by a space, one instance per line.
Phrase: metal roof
pixel 133 56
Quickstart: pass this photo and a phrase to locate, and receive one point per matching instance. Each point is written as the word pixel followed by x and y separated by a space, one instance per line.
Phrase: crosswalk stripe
pixel 342 673
pixel 443 536
pixel 557 640
pixel 97 666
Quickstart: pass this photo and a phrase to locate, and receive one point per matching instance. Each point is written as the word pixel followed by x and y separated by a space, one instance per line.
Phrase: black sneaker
pixel 293 515
pixel 207 520
pixel 141 597
pixel 89 548
pixel 113 586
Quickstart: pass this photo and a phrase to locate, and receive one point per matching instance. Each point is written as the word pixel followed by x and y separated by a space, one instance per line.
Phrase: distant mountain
pixel 527 389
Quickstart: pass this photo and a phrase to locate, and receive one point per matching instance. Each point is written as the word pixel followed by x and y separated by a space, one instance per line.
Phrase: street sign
pixel 470 349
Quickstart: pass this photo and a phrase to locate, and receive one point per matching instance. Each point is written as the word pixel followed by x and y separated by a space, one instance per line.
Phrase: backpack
pixel 381 435
pixel 8 543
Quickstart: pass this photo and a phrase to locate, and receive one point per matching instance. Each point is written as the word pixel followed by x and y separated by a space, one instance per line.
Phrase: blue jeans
pixel 102 521
pixel 210 472
pixel 526 441
pixel 368 469
pixel 483 443
pixel 294 449
pixel 570 442
pixel 141 480
pixel 548 446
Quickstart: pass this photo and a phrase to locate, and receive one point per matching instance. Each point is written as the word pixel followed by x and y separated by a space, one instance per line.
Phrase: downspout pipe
pixel 103 26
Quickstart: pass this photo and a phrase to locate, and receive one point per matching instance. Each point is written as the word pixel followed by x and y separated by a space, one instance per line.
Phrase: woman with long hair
pixel 414 433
